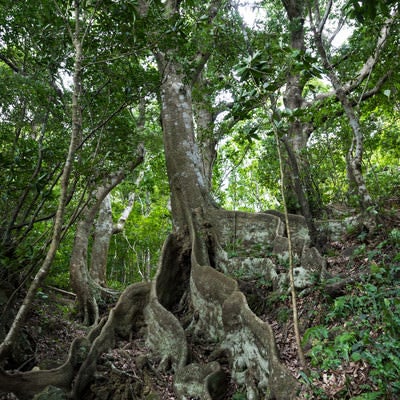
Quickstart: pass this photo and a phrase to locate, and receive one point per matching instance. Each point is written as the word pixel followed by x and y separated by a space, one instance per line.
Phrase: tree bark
pixel 203 113
pixel 187 273
pixel 23 311
pixel 104 229
pixel 184 167
pixel 101 242
pixel 81 281
pixel 300 193
pixel 215 311
pixel 355 152
pixel 342 91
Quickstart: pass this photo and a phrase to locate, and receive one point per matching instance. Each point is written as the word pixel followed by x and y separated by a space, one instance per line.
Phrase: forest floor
pixel 125 373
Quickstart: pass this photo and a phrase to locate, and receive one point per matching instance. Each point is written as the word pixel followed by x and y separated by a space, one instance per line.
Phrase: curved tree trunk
pixel 343 90
pixel 81 281
pixel 23 311
pixel 355 152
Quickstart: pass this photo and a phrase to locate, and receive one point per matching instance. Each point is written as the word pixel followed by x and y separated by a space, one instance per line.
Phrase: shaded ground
pixel 125 372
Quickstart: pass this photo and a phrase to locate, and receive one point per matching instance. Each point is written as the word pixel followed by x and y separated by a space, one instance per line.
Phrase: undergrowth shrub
pixel 364 325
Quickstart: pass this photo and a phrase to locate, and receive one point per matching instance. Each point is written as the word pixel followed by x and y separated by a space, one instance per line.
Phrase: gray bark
pixel 101 242
pixel 355 152
pixel 184 165
pixel 81 281
pixel 104 229
pixel 299 188
pixel 23 311
pixel 206 139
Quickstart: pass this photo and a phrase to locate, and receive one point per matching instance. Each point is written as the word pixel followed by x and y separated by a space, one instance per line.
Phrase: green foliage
pixel 369 396
pixel 41 295
pixel 133 254
pixel 233 248
pixel 59 279
pixel 66 309
pixel 36 69
pixel 365 11
pixel 116 285
pixel 364 326
pixel 247 168
pixel 239 396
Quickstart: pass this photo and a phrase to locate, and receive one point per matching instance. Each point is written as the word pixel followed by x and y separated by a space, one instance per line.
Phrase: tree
pixel 299 74
pixel 104 229
pixel 81 281
pixel 33 112
pixel 192 248
pixel 193 302
pixel 191 253
pixel 355 153
pixel 52 176
pixel 14 330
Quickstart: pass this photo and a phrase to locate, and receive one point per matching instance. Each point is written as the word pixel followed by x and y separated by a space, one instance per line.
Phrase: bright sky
pixel 251 11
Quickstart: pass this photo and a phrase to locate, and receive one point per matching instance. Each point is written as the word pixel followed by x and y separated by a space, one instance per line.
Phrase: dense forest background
pixel 131 129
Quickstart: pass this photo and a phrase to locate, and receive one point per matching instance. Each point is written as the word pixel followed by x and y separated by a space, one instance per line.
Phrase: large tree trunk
pixel 188 280
pixel 293 99
pixel 204 117
pixel 184 166
pixel 101 242
pixel 191 302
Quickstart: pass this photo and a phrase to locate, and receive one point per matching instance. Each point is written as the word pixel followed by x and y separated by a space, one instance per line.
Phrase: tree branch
pixel 8 62
pixel 337 30
pixel 102 124
pixel 364 71
pixel 321 23
pixel 202 57
pixel 119 226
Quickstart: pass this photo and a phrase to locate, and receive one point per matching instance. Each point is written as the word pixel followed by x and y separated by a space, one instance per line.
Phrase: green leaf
pixel 356 356
pixel 368 396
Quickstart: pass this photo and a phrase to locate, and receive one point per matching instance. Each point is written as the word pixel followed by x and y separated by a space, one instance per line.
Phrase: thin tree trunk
pixel 342 92
pixel 119 226
pixel 300 352
pixel 104 229
pixel 148 265
pixel 300 193
pixel 355 152
pixel 23 311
